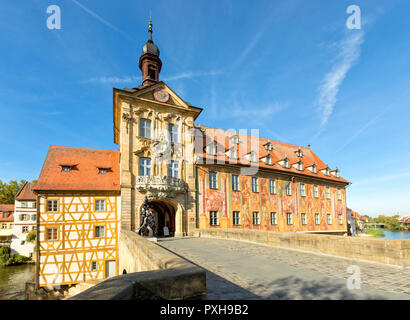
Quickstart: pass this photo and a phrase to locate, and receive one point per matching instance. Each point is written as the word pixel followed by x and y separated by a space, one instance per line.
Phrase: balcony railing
pixel 160 187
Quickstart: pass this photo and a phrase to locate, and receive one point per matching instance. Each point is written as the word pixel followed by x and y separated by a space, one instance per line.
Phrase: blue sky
pixel 290 68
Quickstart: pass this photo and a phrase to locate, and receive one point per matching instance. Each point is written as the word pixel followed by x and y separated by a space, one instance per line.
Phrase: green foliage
pixel 31 236
pixel 16 259
pixel 9 190
pixel 391 223
pixel 6 259
pixel 376 233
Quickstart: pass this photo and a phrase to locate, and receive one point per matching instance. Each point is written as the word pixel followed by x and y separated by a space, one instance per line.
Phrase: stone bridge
pixel 245 264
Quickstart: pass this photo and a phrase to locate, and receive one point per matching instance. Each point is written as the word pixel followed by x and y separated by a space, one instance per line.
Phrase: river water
pixel 13 281
pixel 395 235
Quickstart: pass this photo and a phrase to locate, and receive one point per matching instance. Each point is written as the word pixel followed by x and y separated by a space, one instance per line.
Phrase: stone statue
pixel 147 217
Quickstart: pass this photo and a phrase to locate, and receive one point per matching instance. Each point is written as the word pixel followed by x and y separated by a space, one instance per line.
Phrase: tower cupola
pixel 150 64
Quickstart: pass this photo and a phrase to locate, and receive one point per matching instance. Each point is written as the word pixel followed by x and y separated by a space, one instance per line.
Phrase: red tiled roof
pixel 280 151
pixel 84 175
pixel 26 193
pixel 7 208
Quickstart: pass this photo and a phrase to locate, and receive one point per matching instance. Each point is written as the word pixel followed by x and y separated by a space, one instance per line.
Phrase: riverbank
pixel 375 233
pixel 13 281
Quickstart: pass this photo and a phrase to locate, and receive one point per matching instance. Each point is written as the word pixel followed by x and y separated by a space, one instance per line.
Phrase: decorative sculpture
pixel 147 217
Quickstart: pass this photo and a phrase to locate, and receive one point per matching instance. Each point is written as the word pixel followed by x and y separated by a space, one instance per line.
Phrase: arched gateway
pixel 159 216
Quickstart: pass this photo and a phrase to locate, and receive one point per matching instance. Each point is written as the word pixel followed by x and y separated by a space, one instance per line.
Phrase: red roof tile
pixel 26 193
pixel 84 174
pixel 280 151
pixel 7 208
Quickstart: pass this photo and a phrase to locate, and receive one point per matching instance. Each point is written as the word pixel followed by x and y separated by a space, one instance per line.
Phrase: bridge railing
pixel 387 251
pixel 150 272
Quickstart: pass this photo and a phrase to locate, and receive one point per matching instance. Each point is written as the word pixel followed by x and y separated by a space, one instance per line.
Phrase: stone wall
pixel 151 273
pixel 394 252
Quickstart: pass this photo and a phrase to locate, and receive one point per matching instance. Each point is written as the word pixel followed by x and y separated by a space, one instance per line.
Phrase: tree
pixel 9 190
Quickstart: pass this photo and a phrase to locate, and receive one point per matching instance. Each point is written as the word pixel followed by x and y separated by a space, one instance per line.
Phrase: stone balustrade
pixel 387 251
pixel 151 273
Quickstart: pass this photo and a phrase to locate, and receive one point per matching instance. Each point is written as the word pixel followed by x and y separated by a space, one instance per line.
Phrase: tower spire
pixel 150 29
pixel 149 63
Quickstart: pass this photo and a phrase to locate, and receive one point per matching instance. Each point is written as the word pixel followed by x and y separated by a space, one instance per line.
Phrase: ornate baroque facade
pixel 188 176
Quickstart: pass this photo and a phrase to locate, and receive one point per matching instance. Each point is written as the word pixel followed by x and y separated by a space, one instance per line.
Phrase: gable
pixel 161 93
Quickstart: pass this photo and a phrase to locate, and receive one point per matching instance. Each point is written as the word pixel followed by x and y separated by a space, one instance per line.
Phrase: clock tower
pixel 150 64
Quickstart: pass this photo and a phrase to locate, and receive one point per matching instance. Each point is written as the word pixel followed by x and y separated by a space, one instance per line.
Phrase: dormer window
pixel 211 149
pixel 314 168
pixel 286 163
pixel 268 146
pixel 232 153
pixel 300 166
pixel 235 139
pixel 252 156
pixel 268 159
pixel 299 152
pixel 326 171
pixel 65 168
pixel 337 174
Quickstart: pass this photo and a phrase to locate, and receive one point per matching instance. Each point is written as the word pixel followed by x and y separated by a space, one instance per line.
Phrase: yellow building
pixel 6 224
pixel 78 216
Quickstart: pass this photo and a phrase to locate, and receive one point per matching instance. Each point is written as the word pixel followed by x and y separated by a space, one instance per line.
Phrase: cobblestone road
pixel 241 270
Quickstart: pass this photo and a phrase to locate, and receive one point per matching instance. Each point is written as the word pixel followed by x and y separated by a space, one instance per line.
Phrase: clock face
pixel 161 95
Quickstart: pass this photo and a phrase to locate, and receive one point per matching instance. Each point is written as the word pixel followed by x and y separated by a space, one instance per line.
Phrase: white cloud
pixel 349 53
pixel 135 79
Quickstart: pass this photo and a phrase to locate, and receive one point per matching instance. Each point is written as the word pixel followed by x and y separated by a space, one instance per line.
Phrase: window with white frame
pixel 24 229
pixel 272 188
pixel 212 180
pixel 24 204
pixel 288 189
pixel 289 218
pixel 317 220
pixel 173 169
pixel 252 156
pixel 145 128
pixel 327 193
pixel 303 217
pixel 269 159
pixel 4 226
pixel 235 218
pixel 254 184
pixel 273 218
pixel 173 132
pixel 302 190
pixel 300 166
pixel 235 182
pixel 255 216
pixel 314 168
pixel 52 205
pixel 329 218
pixel 339 194
pixel 316 191
pixel 340 219
pixel 99 232
pixel 145 167
pixel 99 205
pixel 33 204
pixel 213 218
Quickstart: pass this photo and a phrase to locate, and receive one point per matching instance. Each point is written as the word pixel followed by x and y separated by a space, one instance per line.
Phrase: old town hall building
pixel 190 176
